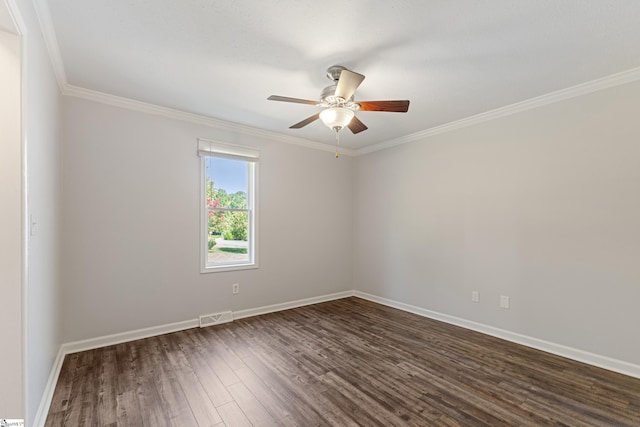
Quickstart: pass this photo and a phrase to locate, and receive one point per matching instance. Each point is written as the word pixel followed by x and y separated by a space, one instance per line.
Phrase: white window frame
pixel 208 148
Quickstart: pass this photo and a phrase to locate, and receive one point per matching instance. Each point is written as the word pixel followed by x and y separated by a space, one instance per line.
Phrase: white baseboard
pixel 47 396
pixel 138 334
pixel 604 362
pixel 89 344
pixel 291 304
pixel 557 349
pixel 93 343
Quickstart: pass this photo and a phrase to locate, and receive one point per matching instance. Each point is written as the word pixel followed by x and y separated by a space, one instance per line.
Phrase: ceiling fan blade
pixel 348 83
pixel 391 106
pixel 296 100
pixel 305 121
pixel 356 126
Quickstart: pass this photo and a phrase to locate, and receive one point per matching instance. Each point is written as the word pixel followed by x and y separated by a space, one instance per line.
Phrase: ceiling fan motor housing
pixel 328 99
pixel 333 72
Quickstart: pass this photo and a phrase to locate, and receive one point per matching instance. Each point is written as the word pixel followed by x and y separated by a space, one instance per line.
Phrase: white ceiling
pixel 452 59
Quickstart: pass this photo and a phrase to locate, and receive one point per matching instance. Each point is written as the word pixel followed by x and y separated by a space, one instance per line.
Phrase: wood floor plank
pixel 217 392
pixel 213 358
pixel 154 409
pixel 297 378
pixel 128 412
pixel 60 402
pixel 343 412
pixel 235 342
pixel 81 396
pixel 252 408
pixel 228 355
pixel 107 409
pixel 171 392
pixel 233 416
pixel 201 406
pixel 348 362
pixel 67 392
pixel 287 391
pixel 280 410
pixel 381 414
pixel 55 419
pixel 127 382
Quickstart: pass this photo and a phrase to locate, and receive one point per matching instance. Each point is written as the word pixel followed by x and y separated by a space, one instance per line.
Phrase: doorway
pixel 11 220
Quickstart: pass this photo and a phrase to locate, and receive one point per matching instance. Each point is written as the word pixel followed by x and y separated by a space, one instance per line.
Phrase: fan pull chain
pixel 337 143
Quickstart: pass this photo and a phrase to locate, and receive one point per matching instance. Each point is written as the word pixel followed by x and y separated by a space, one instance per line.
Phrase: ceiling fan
pixel 338 105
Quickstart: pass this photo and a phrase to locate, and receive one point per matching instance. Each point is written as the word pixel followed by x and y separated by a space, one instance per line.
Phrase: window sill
pixel 231 267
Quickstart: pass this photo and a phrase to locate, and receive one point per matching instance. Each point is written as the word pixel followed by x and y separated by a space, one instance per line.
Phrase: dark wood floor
pixel 345 363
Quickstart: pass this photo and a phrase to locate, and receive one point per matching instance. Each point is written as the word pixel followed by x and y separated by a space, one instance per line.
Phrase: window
pixel 229 237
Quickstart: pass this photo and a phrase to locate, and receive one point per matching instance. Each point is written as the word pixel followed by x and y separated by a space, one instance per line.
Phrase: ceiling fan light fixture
pixel 336 118
pixel 338 106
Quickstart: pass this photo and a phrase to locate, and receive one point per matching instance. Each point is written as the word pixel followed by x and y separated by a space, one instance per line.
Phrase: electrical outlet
pixel 475 296
pixel 235 288
pixel 504 301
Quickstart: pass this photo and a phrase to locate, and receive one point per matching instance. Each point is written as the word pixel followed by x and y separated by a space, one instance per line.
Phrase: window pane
pixel 216 223
pixel 228 237
pixel 227 183
pixel 228 234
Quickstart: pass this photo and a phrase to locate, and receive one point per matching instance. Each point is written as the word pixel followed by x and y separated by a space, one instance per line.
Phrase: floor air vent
pixel 215 319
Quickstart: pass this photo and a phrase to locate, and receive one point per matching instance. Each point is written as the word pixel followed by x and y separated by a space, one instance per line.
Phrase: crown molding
pixel 144 107
pixel 19 28
pixel 48 31
pixel 51 41
pixel 529 104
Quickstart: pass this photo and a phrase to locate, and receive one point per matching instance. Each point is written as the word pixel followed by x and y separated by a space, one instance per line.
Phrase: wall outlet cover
pixel 504 301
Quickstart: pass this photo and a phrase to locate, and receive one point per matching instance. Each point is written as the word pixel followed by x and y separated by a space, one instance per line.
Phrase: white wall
pixel 41 120
pixel 131 220
pixel 11 390
pixel 542 206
